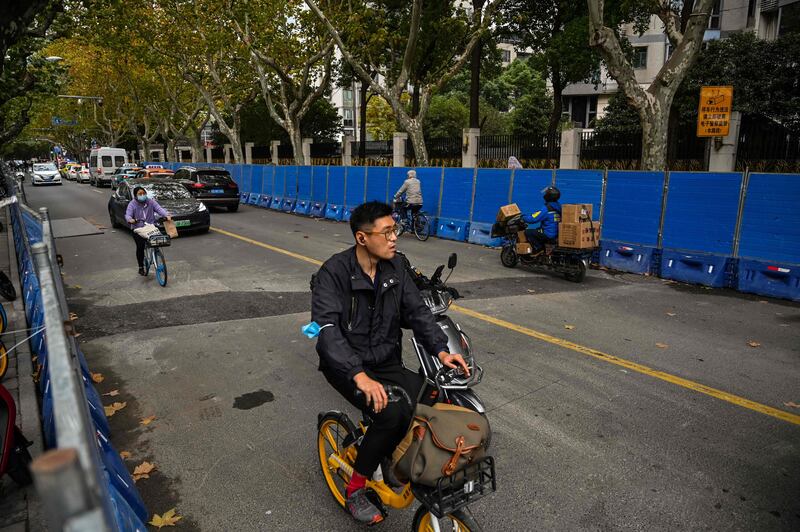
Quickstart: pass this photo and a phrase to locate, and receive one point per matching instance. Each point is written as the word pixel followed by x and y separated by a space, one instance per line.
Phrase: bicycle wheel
pixel 457 521
pixel 3 360
pixel 161 267
pixel 422 227
pixel 331 432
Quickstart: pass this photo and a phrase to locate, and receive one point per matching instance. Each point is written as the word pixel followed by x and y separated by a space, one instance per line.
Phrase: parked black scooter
pixel 573 263
pixel 14 456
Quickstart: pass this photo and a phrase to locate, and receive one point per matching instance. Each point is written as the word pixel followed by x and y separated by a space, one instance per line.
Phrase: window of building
pixel 789 19
pixel 506 56
pixel 591 115
pixel 347 115
pixel 640 57
pixel 713 20
pixel 347 97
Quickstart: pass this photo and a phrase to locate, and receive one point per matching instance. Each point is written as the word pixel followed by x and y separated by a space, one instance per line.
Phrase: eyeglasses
pixel 393 230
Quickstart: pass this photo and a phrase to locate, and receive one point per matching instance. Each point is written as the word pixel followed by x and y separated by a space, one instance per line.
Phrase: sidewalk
pixel 19 507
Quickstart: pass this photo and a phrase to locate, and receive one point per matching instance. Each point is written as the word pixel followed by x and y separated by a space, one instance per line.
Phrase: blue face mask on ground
pixel 141 198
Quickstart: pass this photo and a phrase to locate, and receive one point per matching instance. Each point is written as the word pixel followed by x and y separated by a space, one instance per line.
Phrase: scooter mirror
pixel 452 261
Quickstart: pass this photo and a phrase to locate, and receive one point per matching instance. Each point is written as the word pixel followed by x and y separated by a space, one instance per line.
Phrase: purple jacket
pixel 144 212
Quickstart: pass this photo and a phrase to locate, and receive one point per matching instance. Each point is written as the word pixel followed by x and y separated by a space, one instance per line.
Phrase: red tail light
pixel 232 185
pixel 197 185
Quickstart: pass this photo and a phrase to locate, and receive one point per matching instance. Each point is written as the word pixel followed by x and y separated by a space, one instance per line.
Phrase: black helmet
pixel 551 194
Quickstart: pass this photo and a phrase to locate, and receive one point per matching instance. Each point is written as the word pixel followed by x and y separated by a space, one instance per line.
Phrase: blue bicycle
pixel 153 256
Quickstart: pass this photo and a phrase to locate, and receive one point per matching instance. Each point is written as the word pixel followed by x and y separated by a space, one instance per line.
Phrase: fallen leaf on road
pixel 661 346
pixel 763 301
pixel 792 404
pixel 76 286
pixel 125 455
pixel 671 314
pixel 73 316
pixel 143 470
pixel 751 343
pixel 147 420
pixel 98 377
pixel 113 409
pixel 168 519
pixel 112 393
pixel 569 327
pixel 531 291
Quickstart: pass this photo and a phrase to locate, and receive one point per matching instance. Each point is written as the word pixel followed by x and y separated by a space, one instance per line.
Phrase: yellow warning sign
pixel 714 113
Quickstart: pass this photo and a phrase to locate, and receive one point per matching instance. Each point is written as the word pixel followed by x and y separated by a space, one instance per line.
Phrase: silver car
pixel 46 174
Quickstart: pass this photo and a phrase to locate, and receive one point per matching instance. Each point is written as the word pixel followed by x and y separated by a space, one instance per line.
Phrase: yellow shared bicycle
pixel 444 507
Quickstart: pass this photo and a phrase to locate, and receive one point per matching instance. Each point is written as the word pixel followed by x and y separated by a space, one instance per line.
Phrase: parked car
pixel 103 162
pixel 84 175
pixel 69 171
pixel 213 186
pixel 46 174
pixel 148 173
pixel 187 213
pixel 126 172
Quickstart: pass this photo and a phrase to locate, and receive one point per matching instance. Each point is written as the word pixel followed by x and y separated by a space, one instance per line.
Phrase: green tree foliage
pixel 447 117
pixel 521 90
pixel 322 123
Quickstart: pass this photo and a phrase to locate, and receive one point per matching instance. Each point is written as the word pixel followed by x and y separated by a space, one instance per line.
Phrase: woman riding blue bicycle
pixel 143 210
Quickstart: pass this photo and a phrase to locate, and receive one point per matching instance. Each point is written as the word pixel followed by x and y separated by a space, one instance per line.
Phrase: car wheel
pixel 233 208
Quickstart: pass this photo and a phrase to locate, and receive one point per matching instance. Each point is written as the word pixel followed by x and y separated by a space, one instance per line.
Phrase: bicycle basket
pixel 463 487
pixel 158 241
pixel 147 230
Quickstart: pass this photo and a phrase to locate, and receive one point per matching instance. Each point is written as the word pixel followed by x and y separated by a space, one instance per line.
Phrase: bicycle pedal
pixel 375 499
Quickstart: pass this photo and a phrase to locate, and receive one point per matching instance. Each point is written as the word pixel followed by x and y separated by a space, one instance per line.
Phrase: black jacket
pixel 366 324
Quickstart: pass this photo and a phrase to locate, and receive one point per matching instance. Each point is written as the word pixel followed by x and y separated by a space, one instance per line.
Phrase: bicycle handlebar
pixel 394 394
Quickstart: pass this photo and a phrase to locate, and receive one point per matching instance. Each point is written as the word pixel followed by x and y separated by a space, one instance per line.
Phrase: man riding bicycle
pixel 361 298
pixel 412 190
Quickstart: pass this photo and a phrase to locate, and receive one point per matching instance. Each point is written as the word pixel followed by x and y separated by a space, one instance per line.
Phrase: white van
pixel 102 164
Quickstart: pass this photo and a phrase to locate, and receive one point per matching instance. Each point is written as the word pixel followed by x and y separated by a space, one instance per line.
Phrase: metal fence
pixel 685 150
pixel 767 146
pixel 539 151
pixel 81 479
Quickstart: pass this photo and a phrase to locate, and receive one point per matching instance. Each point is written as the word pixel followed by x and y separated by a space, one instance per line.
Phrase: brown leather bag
pixel 442 439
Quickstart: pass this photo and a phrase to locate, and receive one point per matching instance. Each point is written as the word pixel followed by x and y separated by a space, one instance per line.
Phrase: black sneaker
pixel 141 271
pixel 362 509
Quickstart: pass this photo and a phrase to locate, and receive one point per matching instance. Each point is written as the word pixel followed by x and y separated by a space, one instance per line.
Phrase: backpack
pixel 442 440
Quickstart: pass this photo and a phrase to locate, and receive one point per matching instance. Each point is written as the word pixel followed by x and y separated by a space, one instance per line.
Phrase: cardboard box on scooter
pixel 576 213
pixel 579 235
pixel 507 211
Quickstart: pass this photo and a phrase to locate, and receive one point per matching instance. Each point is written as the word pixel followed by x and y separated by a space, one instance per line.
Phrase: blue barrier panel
pixel 304 183
pixel 481 233
pixel 291 182
pixel 119 476
pixel 581 186
pixel 451 229
pixel 696 268
pixel 127 520
pixel 769 279
pixel 246 177
pixel 333 212
pixel 457 194
pixel 377 183
pixel 354 195
pixel 633 258
pixel 256 178
pixel 236 172
pixel 302 207
pixel 633 207
pixel 491 192
pixel 319 183
pixel 279 182
pixel 243 196
pixel 317 209
pixel 771 219
pixel 268 180
pixel 288 204
pixel 346 213
pixel 336 176
pixel 701 211
pixel 264 200
pixel 527 191
pixel 277 203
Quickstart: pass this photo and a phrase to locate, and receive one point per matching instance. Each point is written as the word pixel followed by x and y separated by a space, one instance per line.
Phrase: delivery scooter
pixel 14 456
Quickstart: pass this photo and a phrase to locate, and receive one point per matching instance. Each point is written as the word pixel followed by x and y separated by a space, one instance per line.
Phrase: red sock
pixel 357 482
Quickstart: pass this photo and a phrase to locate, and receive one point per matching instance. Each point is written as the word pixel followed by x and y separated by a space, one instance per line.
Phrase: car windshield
pixel 44 167
pixel 166 191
